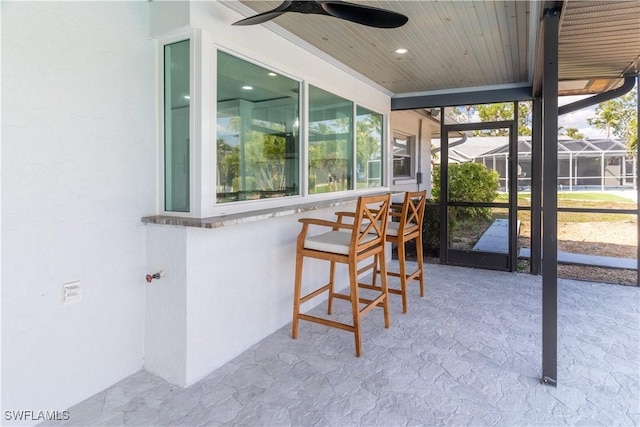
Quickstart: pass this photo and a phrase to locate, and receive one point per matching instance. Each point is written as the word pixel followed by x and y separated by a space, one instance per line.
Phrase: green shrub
pixel 468 182
pixel 431 229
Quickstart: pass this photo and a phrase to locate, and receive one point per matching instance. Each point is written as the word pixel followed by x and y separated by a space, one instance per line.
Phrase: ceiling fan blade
pixel 265 16
pixel 365 15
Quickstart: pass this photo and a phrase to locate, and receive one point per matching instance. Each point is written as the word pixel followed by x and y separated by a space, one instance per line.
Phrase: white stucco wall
pixel 413 124
pixel 166 303
pixel 238 283
pixel 78 171
pixel 237 280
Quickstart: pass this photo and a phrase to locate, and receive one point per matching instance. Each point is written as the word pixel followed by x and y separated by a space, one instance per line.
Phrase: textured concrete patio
pixel 469 353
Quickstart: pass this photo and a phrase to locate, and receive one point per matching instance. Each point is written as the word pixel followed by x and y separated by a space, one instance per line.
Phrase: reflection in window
pixel 402 154
pixel 257 132
pixel 176 127
pixel 368 148
pixel 330 142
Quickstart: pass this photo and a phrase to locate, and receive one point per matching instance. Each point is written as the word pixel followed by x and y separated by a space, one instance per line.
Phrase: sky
pixel 578 119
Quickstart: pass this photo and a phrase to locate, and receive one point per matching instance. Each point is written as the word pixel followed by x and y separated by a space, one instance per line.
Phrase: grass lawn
pixel 466 233
pixel 597 196
pixel 593 200
pixel 604 234
pixel 575 195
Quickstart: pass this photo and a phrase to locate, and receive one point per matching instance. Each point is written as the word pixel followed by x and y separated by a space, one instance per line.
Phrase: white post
pixel 570 171
pixel 602 172
pixel 506 172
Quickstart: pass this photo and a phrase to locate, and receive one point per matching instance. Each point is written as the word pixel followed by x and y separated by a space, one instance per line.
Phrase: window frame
pixel 384 178
pixel 214 115
pixel 352 132
pixel 194 38
pixel 203 134
pixel 412 141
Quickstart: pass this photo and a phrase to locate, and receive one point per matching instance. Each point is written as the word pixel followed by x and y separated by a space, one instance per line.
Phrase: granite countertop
pixel 256 215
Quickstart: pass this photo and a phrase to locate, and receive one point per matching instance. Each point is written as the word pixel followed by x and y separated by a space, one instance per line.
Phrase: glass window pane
pixel 176 127
pixel 403 148
pixel 401 166
pixel 368 148
pixel 258 152
pixel 330 142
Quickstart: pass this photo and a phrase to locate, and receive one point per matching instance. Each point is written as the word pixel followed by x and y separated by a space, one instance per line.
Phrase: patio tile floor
pixel 469 353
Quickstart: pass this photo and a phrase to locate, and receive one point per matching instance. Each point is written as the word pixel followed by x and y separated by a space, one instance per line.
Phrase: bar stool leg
pixel 403 274
pixel 332 275
pixel 376 270
pixel 385 288
pixel 296 296
pixel 355 305
pixel 420 263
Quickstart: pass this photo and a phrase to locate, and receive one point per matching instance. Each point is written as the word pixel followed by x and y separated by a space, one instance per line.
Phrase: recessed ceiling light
pixel 272 74
pixel 247 87
pixel 401 50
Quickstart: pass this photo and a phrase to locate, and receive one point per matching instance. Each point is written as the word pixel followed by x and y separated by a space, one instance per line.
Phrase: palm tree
pixel 573 133
pixel 607 116
pixel 632 142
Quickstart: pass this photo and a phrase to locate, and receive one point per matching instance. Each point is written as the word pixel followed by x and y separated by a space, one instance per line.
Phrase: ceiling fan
pixel 360 14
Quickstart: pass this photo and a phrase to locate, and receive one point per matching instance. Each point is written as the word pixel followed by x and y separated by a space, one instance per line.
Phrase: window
pixel 403 149
pixel 258 148
pixel 176 127
pixel 368 148
pixel 330 142
pixel 257 141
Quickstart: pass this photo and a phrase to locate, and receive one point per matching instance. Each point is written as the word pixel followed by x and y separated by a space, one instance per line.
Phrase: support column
pixel 635 177
pixel 536 188
pixel 444 191
pixel 550 199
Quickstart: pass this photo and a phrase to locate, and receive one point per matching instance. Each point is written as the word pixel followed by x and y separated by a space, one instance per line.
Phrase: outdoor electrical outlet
pixel 71 292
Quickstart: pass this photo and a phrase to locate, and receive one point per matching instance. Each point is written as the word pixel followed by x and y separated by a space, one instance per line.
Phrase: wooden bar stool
pixel 347 243
pixel 408 226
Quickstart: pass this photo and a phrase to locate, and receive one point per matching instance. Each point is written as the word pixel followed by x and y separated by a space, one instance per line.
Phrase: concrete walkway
pixel 496 239
pixel 467 354
pixel 592 260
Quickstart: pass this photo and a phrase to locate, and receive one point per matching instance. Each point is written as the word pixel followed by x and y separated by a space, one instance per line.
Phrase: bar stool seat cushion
pixel 394 227
pixel 337 242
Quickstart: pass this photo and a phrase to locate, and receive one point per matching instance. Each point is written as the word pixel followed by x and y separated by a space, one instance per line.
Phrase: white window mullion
pixel 303 126
pixel 354 151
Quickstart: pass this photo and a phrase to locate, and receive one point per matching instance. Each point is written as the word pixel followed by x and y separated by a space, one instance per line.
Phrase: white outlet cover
pixel 71 292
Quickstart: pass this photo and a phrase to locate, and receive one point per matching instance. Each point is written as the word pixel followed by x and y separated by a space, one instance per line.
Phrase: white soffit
pixel 599 39
pixel 451 44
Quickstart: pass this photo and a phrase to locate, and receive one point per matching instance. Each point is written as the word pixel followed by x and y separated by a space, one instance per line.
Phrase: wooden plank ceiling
pixel 454 45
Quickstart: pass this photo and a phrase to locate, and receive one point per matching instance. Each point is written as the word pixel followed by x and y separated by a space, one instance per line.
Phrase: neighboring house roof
pixel 486 146
pixel 473 147
pixel 576 146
